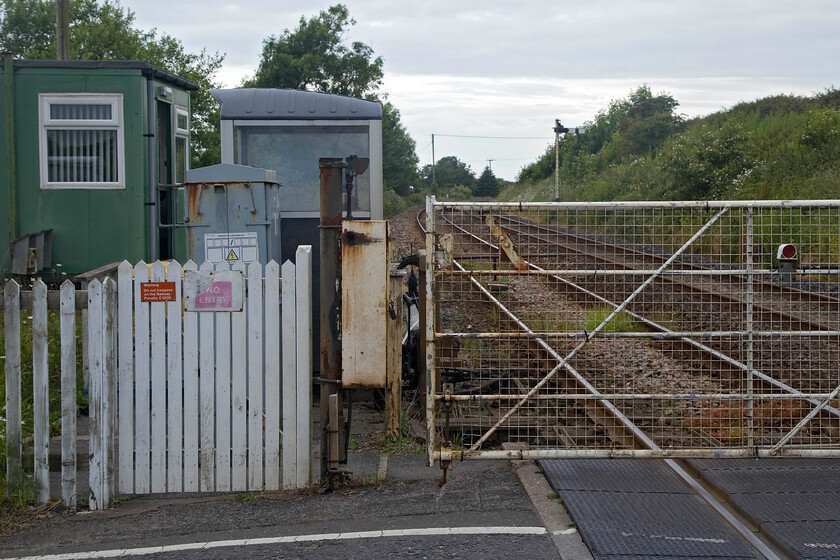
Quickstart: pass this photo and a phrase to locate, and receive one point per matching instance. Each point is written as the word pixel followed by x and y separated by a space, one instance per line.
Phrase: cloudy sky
pixel 489 77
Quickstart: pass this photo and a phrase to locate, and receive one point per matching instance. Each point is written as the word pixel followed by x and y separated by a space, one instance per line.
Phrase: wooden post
pixel 95 479
pixel 14 441
pixel 41 404
pixel 393 381
pixel 62 30
pixel 69 407
pixel 272 455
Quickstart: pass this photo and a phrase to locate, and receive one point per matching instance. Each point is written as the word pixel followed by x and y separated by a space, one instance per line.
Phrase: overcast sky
pixel 495 68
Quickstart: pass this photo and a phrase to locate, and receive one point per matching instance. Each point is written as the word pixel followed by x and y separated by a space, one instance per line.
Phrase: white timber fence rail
pixel 182 398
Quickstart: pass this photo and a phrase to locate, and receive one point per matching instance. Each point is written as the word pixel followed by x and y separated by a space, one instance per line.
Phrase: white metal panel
pixel 364 301
pixel 375 170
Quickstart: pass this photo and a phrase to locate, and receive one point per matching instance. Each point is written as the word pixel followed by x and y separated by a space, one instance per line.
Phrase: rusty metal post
pixel 330 231
pixel 393 381
pixel 421 338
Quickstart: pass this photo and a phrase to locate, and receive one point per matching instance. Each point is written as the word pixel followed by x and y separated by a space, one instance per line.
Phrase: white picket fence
pixel 193 397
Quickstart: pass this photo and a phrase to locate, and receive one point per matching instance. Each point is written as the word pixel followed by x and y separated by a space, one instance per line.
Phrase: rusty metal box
pixel 364 302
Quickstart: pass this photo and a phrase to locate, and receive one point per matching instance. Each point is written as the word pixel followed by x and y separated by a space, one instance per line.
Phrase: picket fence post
pixel 69 406
pixel 14 441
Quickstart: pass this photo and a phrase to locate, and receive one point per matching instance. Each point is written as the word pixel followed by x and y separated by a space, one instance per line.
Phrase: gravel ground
pixel 406 233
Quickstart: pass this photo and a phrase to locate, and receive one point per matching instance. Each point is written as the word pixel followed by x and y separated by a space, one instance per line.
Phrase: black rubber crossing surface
pixel 795 500
pixel 626 508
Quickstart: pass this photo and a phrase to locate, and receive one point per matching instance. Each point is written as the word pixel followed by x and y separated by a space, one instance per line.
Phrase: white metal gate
pixel 693 329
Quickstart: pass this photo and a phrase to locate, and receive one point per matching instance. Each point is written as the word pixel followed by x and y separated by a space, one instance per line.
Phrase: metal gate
pixel 682 329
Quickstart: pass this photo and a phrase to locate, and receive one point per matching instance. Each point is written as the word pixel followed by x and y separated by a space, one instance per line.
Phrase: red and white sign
pixel 157 291
pixel 217 296
pixel 214 291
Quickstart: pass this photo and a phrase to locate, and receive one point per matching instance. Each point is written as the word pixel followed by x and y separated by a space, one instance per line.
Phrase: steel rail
pixel 670 333
pixel 687 268
pixel 663 333
pixel 699 291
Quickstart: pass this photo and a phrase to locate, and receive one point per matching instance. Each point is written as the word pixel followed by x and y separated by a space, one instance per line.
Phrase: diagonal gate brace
pixel 616 311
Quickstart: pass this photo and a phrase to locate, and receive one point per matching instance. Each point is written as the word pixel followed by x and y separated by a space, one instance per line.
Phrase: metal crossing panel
pixel 645 329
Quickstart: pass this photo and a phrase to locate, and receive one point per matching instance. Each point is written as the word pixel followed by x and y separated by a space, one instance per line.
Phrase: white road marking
pixel 822 545
pixel 674 538
pixel 163 549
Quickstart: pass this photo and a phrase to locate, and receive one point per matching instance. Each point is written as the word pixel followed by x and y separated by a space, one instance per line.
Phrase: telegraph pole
pixel 433 159
pixel 62 30
pixel 490 163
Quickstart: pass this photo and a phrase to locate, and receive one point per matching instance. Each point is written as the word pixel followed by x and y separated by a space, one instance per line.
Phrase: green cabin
pixel 92 151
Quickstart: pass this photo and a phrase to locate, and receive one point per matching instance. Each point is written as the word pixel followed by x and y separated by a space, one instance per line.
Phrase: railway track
pixel 621 426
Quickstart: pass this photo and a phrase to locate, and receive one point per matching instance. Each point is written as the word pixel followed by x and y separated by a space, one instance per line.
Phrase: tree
pixel 449 171
pixel 648 121
pixel 399 157
pixel 314 57
pixel 487 185
pixel 106 32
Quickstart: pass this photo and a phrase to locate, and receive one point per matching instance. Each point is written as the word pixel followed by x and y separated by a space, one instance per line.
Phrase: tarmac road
pixel 483 511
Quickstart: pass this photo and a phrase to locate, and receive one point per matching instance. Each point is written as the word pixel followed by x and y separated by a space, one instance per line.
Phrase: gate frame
pixel 439 252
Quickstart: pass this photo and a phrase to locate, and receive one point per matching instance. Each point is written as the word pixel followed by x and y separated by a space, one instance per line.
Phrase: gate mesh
pixel 638 328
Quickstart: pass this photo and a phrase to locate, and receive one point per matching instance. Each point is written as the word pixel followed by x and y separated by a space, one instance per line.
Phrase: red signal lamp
pixel 787 252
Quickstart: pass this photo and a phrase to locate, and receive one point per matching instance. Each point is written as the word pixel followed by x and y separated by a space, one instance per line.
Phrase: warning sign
pixel 222 290
pixel 157 291
pixel 231 247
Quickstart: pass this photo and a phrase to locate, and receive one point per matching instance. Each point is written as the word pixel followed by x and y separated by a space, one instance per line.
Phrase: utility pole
pixel 490 163
pixel 62 29
pixel 433 159
pixel 558 130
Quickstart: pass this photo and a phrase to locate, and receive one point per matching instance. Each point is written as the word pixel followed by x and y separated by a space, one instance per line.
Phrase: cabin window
pixel 182 134
pixel 81 141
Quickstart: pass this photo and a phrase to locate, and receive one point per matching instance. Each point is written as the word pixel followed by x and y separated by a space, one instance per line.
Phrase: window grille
pixel 81 141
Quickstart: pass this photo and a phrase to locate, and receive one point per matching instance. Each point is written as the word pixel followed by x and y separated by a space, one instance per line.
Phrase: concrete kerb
pixel 554 516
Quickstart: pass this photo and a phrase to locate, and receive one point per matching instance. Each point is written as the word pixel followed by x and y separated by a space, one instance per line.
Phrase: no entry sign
pixel 213 291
